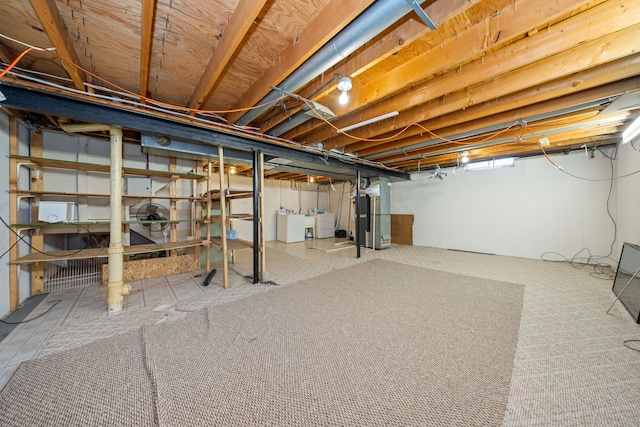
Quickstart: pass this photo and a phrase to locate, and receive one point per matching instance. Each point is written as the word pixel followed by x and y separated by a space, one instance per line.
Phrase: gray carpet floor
pixel 377 343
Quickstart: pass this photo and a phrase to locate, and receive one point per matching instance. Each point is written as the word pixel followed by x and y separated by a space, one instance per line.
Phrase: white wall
pixel 4 213
pixel 24 279
pixel 627 193
pixel 298 198
pixel 278 194
pixel 522 211
pixel 79 148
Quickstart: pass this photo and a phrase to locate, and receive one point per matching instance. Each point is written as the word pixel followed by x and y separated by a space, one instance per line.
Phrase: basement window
pixel 490 164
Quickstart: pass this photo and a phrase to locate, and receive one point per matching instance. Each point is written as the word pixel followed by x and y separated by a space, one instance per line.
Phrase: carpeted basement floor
pixel 403 336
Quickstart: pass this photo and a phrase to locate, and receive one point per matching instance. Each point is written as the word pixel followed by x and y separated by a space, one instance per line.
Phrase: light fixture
pixel 232 169
pixel 369 121
pixel 464 157
pixel 344 84
pixel 632 131
pixel 311 179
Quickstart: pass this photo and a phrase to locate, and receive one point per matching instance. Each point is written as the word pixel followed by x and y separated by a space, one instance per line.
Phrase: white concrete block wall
pixel 24 287
pixel 627 194
pixel 522 211
pixel 4 213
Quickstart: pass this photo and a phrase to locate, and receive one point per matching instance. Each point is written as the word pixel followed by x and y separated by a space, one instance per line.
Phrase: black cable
pixel 295 105
pixel 628 346
pixel 9 250
pixel 599 269
pixel 267 282
pixel 579 263
pixel 32 247
pixel 37 317
pixel 614 155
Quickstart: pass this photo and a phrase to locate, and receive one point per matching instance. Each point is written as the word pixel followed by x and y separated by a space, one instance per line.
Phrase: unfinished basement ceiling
pixel 492 78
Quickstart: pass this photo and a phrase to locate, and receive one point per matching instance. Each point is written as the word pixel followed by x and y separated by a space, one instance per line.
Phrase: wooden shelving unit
pixel 201 203
pixel 102 252
pixel 91 167
pixel 233 244
pixel 81 224
pixel 37 164
pixel 227 246
pixel 61 194
pixel 223 197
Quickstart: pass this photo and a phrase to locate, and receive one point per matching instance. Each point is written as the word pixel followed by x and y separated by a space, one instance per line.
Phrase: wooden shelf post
pixel 14 252
pixel 37 238
pixel 223 219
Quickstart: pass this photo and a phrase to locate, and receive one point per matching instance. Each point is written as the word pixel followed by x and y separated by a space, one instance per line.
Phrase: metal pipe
pixel 358 214
pixel 256 218
pixel 490 128
pixel 116 287
pixel 296 120
pixel 84 127
pixel 263 260
pixel 377 18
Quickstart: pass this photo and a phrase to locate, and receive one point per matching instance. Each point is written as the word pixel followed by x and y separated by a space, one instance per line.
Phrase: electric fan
pixel 154 218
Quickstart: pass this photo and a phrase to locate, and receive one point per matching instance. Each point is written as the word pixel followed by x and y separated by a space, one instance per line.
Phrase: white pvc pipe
pixel 86 127
pixel 116 287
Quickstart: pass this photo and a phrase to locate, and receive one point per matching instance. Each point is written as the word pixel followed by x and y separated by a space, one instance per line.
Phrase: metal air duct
pixel 377 18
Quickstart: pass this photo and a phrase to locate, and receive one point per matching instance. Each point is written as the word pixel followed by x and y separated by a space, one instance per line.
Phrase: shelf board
pixel 233 194
pixel 232 245
pixel 90 167
pixel 60 224
pixel 103 252
pixel 231 217
pixel 97 223
pixel 100 196
pixel 169 221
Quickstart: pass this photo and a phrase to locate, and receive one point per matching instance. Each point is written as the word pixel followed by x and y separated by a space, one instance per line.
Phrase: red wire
pixel 15 62
pixel 527 127
pixel 144 98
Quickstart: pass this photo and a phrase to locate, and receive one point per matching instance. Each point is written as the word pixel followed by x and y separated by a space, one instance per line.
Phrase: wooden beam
pixel 598 125
pixel 556 96
pixel 223 220
pixel 472 125
pixel 5 54
pixel 529 145
pixel 208 187
pixel 146 42
pixel 512 22
pixel 400 38
pixel 234 33
pixel 37 238
pixel 51 21
pixel 528 149
pixel 173 206
pixel 563 65
pixel 557 135
pixel 14 252
pixel 325 25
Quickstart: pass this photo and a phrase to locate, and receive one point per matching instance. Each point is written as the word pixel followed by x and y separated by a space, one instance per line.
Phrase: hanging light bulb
pixel 344 98
pixel 345 85
pixel 465 157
